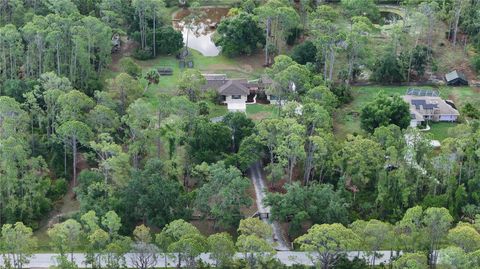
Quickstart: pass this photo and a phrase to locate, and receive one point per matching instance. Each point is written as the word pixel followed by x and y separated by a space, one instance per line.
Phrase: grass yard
pixel 249 67
pixel 259 111
pixel 461 95
pixel 347 118
pixel 440 130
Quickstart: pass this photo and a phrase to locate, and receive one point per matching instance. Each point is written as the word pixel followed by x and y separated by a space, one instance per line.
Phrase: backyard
pixel 347 118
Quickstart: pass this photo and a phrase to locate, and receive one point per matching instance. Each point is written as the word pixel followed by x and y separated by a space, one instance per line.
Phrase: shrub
pixel 130 67
pixel 142 55
pixel 304 53
pixel 58 189
pixel 476 62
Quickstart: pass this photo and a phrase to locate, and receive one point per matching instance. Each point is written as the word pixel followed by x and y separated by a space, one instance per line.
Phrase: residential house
pixel 237 93
pixel 430 108
pixel 233 92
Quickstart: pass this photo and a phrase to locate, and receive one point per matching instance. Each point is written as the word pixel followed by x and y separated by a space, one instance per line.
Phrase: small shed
pixel 456 78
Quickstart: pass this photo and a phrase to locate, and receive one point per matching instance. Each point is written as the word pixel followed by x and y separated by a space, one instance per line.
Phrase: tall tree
pixel 239 35
pixel 125 90
pixel 145 253
pixel 326 243
pixel 437 221
pixel 152 198
pixel 223 195
pixel 252 241
pixel 357 41
pixel 240 126
pixel 190 84
pixel 326 36
pixel 366 8
pixel 221 248
pixel 318 203
pixel 278 18
pixel 18 244
pixel 73 133
pixel 66 237
pixel 385 110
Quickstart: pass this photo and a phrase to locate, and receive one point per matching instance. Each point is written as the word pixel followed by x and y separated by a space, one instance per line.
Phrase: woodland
pixel 102 155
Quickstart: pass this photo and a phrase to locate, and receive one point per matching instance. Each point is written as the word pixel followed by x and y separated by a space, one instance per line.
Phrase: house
pixel 429 107
pixel 237 93
pixel 233 92
pixel 456 78
pixel 214 81
pixel 266 82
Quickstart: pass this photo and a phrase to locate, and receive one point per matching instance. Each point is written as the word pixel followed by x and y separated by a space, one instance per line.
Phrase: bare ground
pixel 64 207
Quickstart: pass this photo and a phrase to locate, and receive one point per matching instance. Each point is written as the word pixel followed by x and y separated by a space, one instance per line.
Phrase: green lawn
pixel 259 111
pixel 460 95
pixel 347 118
pixel 440 130
pixel 243 67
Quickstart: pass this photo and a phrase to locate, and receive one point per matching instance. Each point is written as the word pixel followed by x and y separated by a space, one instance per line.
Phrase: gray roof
pixel 455 75
pixel 234 87
pixel 214 81
pixel 422 92
pixel 419 103
pixel 428 105
pixel 265 79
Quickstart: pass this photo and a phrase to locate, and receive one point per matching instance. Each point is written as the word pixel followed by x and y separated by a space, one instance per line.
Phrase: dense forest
pixel 103 155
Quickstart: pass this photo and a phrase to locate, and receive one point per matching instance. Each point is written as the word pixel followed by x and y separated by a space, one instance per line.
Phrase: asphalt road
pixel 286 257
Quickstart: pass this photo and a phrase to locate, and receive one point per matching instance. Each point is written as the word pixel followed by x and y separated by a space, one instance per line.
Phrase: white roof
pixel 237 106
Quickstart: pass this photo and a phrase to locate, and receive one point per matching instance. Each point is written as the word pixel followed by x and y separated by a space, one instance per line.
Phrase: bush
pixel 471 111
pixel 388 69
pixel 239 35
pixel 476 63
pixel 304 53
pixel 130 67
pixel 345 263
pixel 57 189
pixel 142 55
pixel 203 108
pixel 343 93
pixel 152 76
pixel 168 40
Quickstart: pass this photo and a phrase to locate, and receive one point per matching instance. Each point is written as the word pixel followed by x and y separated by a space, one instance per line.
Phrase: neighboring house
pixel 266 82
pixel 456 78
pixel 429 107
pixel 236 93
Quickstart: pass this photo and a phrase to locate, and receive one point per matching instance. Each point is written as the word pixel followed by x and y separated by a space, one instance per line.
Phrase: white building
pixel 234 93
pixel 430 108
